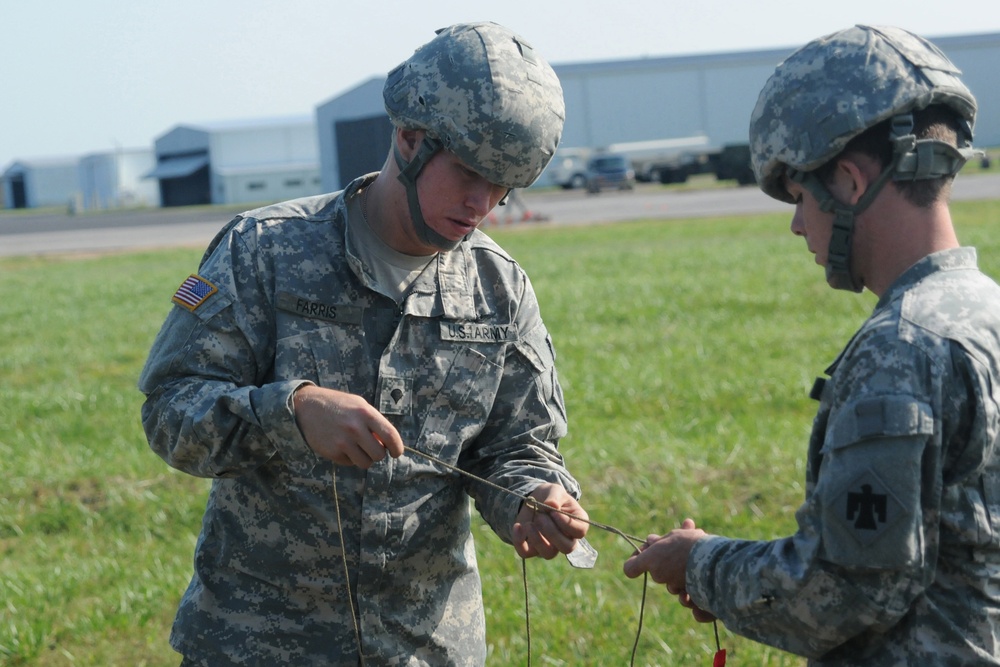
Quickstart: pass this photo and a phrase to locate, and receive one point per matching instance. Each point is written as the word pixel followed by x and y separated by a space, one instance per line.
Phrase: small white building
pixel 237 162
pixel 115 180
pixel 38 182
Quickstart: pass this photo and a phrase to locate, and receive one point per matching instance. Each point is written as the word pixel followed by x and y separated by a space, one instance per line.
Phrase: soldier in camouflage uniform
pixel 320 335
pixel 896 560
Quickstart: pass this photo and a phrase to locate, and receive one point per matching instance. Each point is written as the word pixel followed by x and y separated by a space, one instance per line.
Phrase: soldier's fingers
pixel 370 447
pixel 388 437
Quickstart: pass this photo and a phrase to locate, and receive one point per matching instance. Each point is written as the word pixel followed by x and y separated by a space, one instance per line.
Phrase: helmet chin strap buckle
pixel 408 171
pixel 838 254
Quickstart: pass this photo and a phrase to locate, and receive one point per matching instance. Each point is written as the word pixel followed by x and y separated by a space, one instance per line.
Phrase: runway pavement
pixel 33 233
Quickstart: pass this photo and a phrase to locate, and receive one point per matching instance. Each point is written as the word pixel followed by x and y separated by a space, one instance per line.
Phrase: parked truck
pixel 732 162
pixel 657 160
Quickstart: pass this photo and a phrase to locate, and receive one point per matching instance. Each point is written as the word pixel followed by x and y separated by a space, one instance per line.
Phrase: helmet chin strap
pixel 913 159
pixel 408 172
pixel 838 256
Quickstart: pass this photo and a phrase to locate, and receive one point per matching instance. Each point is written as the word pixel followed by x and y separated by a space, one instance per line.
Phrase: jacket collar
pixel 944 260
pixel 448 288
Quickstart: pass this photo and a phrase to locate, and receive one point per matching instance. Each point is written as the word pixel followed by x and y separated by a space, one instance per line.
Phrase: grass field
pixel 686 350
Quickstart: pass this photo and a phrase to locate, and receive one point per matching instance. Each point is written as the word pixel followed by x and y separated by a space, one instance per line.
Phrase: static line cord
pixel 347 569
pixel 636 542
pixel 527 617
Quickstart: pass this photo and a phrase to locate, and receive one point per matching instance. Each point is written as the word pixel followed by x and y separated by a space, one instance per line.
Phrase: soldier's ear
pixel 860 171
pixel 850 179
pixel 408 142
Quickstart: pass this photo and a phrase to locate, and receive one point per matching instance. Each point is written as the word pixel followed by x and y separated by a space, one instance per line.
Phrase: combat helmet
pixel 483 93
pixel 832 90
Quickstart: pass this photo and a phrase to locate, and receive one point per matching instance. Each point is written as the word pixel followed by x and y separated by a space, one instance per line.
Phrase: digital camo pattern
pixel 487 95
pixel 896 560
pixel 463 368
pixel 836 87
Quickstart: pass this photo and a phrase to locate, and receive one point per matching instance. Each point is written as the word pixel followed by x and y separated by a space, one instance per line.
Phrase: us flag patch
pixel 193 292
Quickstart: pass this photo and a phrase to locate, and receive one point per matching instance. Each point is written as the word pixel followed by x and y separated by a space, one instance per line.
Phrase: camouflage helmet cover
pixel 838 86
pixel 487 96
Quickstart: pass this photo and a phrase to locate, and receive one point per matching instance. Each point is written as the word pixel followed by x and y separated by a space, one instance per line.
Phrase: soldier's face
pixel 809 222
pixel 454 198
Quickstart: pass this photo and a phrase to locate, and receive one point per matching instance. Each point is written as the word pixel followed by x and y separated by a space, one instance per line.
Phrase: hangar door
pixel 19 197
pixel 184 179
pixel 362 145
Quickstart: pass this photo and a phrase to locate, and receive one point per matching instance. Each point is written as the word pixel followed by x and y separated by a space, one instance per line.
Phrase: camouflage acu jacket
pixel 463 367
pixel 896 560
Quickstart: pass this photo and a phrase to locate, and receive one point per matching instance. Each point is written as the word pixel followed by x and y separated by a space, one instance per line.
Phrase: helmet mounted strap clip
pixel 408 171
pixel 920 159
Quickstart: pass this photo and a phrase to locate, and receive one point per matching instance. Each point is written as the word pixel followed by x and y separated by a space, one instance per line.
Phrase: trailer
pixel 665 160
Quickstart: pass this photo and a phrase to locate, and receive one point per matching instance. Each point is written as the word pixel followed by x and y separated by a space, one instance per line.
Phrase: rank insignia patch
pixel 193 292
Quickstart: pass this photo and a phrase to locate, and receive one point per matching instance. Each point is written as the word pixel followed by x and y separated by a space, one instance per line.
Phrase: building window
pixel 256 185
pixel 293 182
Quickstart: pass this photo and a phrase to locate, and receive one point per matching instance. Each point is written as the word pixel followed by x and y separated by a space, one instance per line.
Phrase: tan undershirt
pixel 392 270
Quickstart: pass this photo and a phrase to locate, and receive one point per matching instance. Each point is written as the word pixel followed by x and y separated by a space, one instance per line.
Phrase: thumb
pixel 632 567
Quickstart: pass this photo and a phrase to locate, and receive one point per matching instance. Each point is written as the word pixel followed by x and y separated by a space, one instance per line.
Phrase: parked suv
pixel 609 170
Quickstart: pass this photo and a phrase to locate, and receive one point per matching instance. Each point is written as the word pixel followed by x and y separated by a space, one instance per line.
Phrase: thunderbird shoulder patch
pixel 193 292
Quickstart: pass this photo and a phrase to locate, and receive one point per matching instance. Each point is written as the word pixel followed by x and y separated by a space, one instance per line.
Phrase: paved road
pixel 30 233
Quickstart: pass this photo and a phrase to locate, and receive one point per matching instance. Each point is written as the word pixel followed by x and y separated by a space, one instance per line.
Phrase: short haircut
pixel 934 122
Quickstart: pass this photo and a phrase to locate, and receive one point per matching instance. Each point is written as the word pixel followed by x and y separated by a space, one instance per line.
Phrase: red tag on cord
pixel 720 658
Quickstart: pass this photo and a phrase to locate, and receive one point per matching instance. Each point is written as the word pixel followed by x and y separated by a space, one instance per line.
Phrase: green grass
pixel 685 349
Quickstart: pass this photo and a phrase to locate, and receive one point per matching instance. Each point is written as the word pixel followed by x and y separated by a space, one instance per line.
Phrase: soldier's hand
pixel 344 427
pixel 537 532
pixel 665 558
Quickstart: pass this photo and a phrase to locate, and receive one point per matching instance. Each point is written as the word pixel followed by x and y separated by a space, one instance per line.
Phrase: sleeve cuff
pixel 699 575
pixel 276 414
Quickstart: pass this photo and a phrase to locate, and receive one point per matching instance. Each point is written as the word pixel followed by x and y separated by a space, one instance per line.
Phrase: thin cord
pixel 347 570
pixel 642 613
pixel 527 620
pixel 636 542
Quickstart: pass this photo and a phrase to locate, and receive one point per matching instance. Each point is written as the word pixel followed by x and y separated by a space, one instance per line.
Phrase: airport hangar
pixel 607 102
pixel 644 99
pixel 237 162
pixel 96 181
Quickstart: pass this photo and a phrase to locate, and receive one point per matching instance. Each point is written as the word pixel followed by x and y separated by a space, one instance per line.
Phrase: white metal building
pixel 644 99
pixel 237 162
pixel 115 180
pixel 37 182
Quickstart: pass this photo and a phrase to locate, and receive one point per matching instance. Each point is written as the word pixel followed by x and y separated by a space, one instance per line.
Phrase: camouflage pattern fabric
pixel 836 87
pixel 487 95
pixel 896 560
pixel 463 367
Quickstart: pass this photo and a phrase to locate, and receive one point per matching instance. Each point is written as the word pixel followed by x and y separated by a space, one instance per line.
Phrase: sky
pixel 91 76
